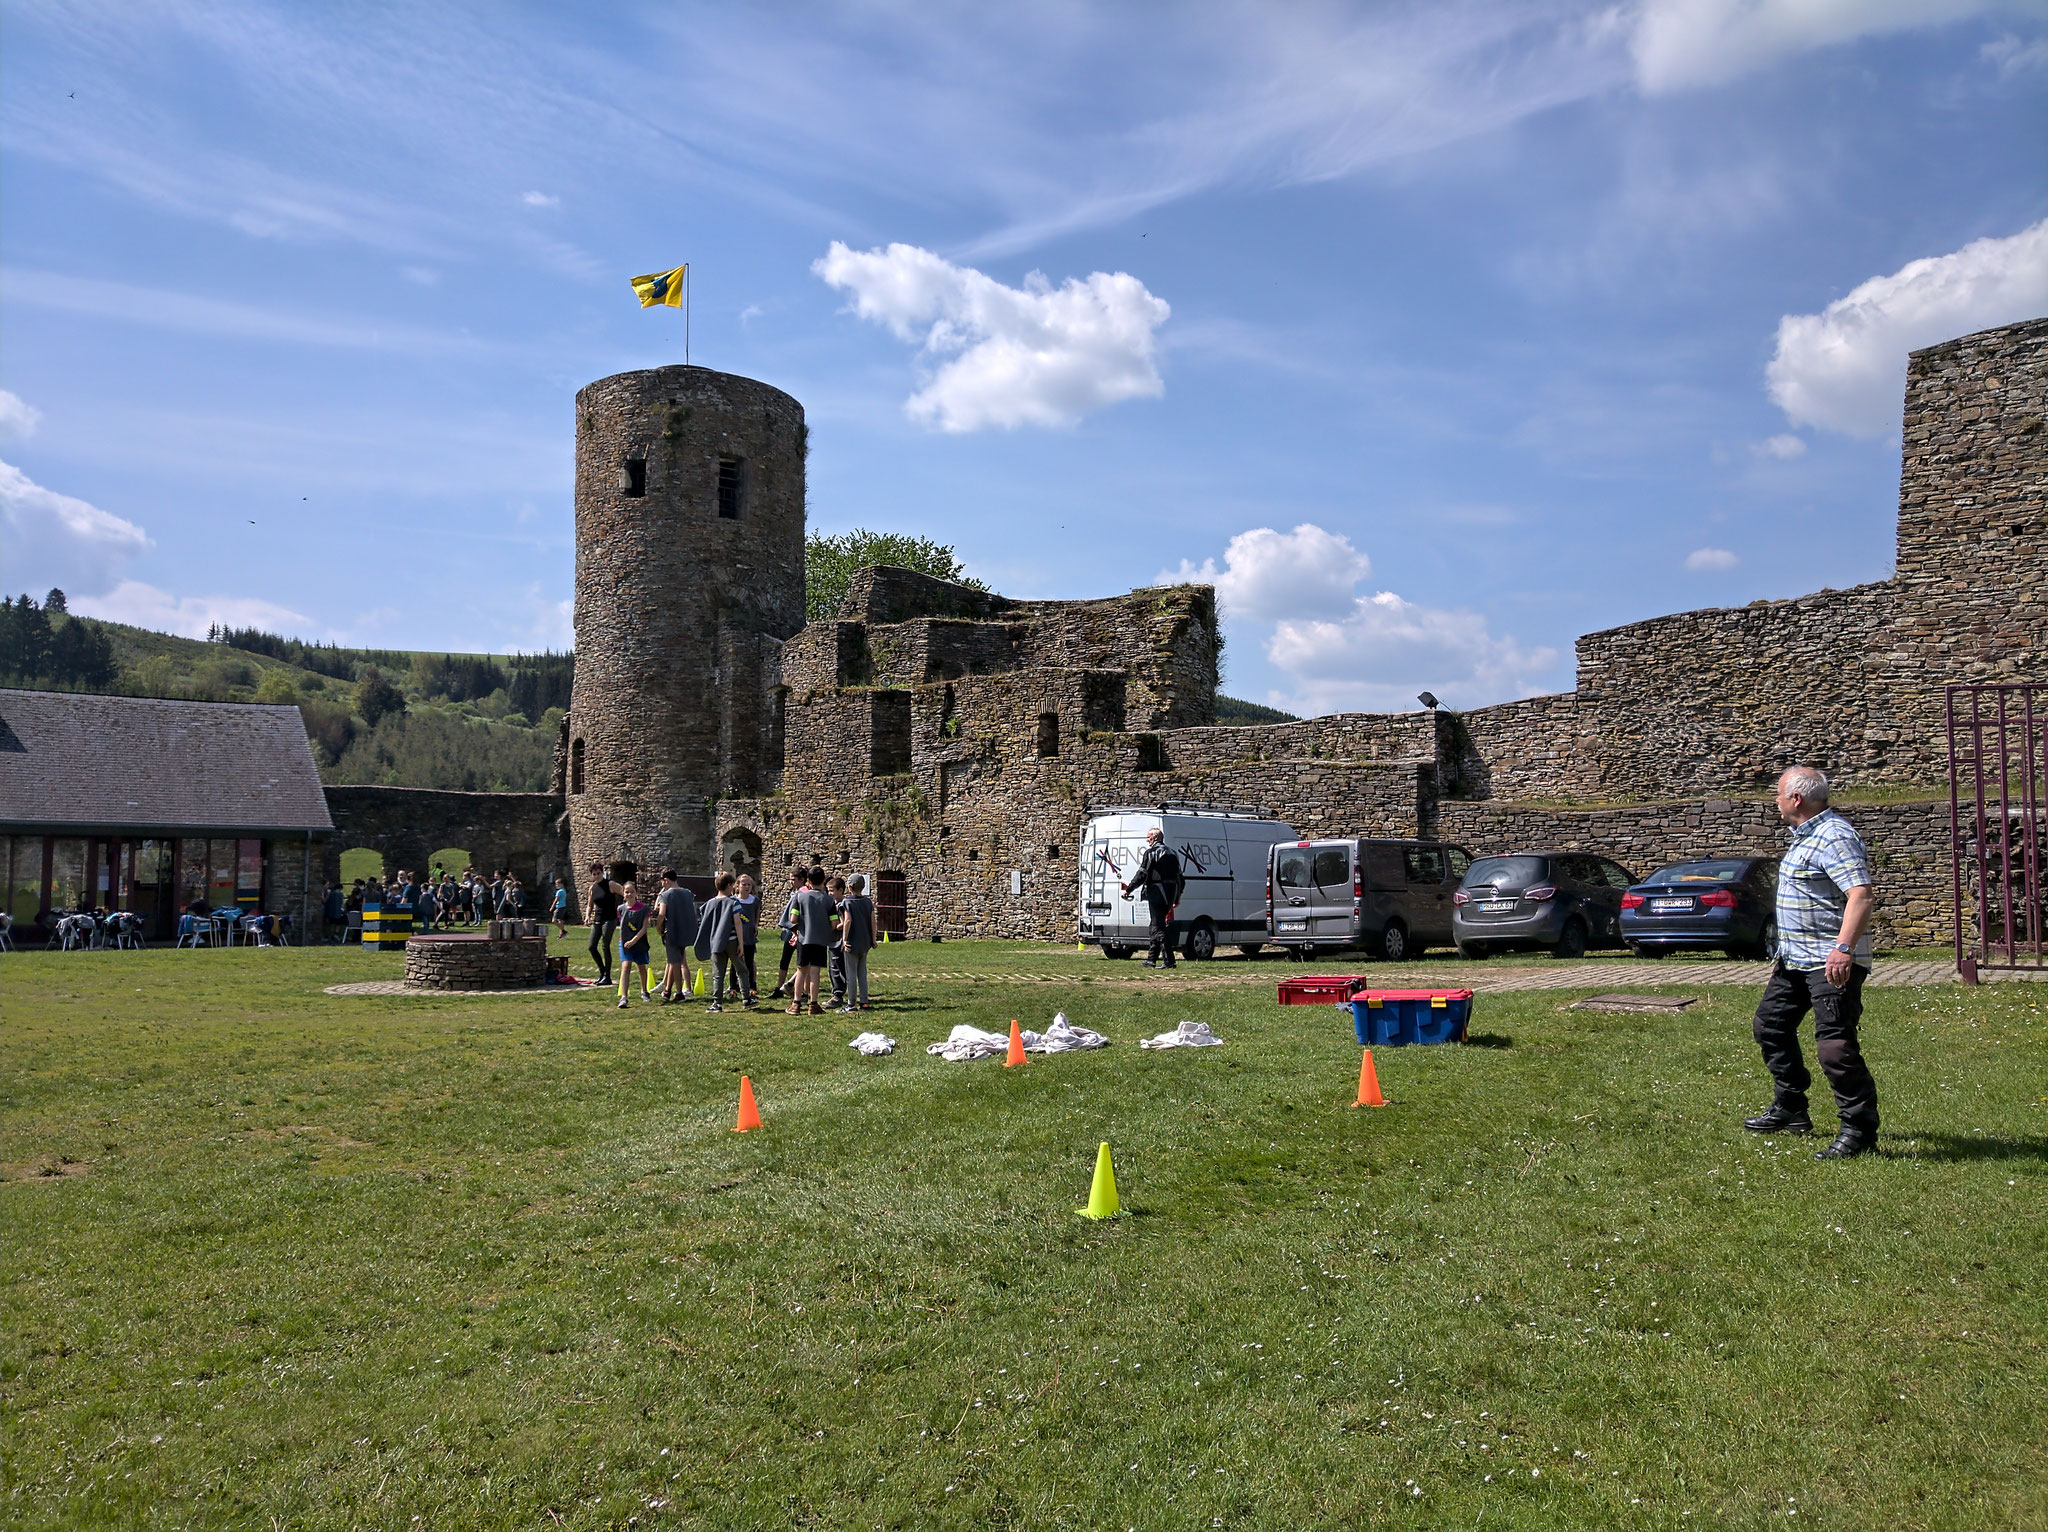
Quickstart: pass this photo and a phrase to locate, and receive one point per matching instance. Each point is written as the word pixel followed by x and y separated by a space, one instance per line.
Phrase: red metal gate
pixel 1997 756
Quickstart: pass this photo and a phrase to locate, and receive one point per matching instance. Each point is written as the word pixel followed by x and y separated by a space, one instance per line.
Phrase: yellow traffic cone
pixel 701 984
pixel 1102 1201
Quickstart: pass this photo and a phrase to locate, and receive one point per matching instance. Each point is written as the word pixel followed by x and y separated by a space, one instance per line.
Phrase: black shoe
pixel 1848 1143
pixel 1148 963
pixel 1779 1120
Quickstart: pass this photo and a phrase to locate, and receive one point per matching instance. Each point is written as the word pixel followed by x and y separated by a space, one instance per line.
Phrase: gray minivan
pixel 1392 897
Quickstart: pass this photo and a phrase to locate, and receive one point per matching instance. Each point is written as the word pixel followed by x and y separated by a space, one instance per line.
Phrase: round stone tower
pixel 689 574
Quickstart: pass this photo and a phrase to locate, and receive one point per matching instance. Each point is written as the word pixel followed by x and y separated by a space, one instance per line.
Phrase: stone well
pixel 476 962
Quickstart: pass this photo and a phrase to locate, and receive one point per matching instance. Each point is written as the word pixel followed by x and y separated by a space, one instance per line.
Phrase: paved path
pixel 1486 978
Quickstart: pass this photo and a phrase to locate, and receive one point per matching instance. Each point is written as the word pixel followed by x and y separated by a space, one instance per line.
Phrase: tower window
pixel 732 487
pixel 633 478
pixel 576 766
pixel 1048 734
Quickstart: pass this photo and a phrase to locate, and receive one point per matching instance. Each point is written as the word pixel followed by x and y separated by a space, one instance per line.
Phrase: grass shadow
pixel 1967 1147
pixel 1488 1040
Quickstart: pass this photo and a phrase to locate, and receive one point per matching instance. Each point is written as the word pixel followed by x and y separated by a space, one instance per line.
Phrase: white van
pixel 1223 850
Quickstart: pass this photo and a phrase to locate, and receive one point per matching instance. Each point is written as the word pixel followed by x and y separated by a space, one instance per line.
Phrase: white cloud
pixel 2012 56
pixel 1267 575
pixel 1682 43
pixel 1388 649
pixel 17 416
pixel 1711 559
pixel 1784 447
pixel 424 276
pixel 1339 650
pixel 1035 355
pixel 1844 368
pixel 539 199
pixel 55 539
pixel 144 606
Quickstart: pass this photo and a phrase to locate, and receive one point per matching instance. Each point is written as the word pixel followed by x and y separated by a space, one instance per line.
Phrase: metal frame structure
pixel 1997 842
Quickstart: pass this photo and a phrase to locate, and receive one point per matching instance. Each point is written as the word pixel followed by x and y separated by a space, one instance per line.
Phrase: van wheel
pixel 1113 950
pixel 1571 942
pixel 1394 942
pixel 1252 949
pixel 1201 942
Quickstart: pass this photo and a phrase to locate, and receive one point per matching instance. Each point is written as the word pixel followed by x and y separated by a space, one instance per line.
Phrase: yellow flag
pixel 661 288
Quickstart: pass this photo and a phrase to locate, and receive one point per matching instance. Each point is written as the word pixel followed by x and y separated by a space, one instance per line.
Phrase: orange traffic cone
pixel 1016 1055
pixel 750 1115
pixel 1368 1083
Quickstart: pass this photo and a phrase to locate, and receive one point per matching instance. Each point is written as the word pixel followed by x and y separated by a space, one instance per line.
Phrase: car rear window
pixel 1333 867
pixel 1701 872
pixel 1505 871
pixel 1291 869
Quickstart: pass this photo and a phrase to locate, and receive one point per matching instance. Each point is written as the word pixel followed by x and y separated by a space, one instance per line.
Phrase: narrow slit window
pixel 633 478
pixel 576 767
pixel 1048 734
pixel 732 488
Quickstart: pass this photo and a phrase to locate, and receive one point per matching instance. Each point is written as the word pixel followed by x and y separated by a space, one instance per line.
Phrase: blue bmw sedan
pixel 1726 902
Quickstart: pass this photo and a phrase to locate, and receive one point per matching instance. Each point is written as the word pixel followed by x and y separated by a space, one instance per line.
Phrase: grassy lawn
pixel 308 1261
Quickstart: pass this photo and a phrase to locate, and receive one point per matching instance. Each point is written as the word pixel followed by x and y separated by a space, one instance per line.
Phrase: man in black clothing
pixel 604 920
pixel 1159 875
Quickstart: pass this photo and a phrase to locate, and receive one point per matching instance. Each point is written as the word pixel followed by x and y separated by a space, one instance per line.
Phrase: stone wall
pixel 292 872
pixel 406 825
pixel 476 962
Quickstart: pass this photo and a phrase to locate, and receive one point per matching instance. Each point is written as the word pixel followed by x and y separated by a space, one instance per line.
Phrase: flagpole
pixel 686 316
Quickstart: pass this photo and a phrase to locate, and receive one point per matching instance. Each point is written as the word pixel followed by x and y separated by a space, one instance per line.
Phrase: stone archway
pixel 739 851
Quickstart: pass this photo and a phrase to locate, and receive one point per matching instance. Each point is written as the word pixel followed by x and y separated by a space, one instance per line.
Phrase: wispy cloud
pixel 187 312
pixel 18 418
pixel 146 606
pixel 60 539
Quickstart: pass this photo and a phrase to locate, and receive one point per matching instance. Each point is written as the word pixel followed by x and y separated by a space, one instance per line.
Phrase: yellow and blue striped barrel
pixel 386 927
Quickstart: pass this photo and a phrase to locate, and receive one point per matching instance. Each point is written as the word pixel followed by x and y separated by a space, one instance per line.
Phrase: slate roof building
pixel 147 804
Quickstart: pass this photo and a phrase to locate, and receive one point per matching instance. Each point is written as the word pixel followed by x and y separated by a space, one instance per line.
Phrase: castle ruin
pixel 953 739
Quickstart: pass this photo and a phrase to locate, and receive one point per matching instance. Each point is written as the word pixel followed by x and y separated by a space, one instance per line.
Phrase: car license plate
pixel 1496 906
pixel 1670 904
pixel 1294 925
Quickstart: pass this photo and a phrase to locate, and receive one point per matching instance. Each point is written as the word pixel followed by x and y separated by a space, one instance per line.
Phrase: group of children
pixel 824 928
pixel 435 902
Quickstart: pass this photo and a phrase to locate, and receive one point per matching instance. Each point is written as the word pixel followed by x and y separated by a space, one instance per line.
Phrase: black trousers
pixel 1836 1008
pixel 601 934
pixel 1160 948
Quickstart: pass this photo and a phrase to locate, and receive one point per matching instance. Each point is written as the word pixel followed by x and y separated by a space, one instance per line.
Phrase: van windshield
pixel 1504 871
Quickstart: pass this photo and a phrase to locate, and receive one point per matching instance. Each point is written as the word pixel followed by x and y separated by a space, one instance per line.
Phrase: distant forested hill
pixel 377 717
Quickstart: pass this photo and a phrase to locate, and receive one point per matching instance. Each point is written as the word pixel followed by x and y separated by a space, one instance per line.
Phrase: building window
pixel 633 478
pixel 1151 753
pixel 1048 734
pixel 576 766
pixel 732 487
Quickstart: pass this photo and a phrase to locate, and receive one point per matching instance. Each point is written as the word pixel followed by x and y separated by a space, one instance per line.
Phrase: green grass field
pixel 284 1260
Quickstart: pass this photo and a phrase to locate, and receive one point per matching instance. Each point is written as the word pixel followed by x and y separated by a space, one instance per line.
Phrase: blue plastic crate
pixel 1391 1018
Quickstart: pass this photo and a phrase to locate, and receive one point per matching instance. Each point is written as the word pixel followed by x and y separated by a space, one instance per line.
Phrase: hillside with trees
pixel 397 717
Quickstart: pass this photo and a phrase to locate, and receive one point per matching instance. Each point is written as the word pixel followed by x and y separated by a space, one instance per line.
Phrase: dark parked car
pixel 1728 902
pixel 1564 900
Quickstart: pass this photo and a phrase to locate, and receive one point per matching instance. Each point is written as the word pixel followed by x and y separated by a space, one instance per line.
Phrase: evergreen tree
pixel 375 698
pixel 54 602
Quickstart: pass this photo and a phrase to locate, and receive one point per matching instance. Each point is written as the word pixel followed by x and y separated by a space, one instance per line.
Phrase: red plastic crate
pixel 1320 989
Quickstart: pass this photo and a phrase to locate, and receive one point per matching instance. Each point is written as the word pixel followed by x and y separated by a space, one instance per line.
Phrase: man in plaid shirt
pixel 1824 906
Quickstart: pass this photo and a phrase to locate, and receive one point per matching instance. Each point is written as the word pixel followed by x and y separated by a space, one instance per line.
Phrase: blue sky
pixel 1435 334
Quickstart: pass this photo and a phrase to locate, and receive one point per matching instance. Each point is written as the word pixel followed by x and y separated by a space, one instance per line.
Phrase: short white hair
pixel 1806 784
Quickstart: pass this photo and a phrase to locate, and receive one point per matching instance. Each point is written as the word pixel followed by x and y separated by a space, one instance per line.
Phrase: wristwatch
pixel 1839 947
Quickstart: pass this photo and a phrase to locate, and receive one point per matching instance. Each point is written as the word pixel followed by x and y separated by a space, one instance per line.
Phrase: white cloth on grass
pixel 873 1043
pixel 1189 1034
pixel 965 1042
pixel 1063 1037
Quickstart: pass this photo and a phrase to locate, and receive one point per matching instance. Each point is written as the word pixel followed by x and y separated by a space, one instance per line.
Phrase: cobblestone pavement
pixel 399 987
pixel 1490 978
pixel 1486 978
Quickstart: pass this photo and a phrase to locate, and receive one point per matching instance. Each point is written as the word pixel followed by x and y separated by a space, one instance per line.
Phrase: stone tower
pixel 689 574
